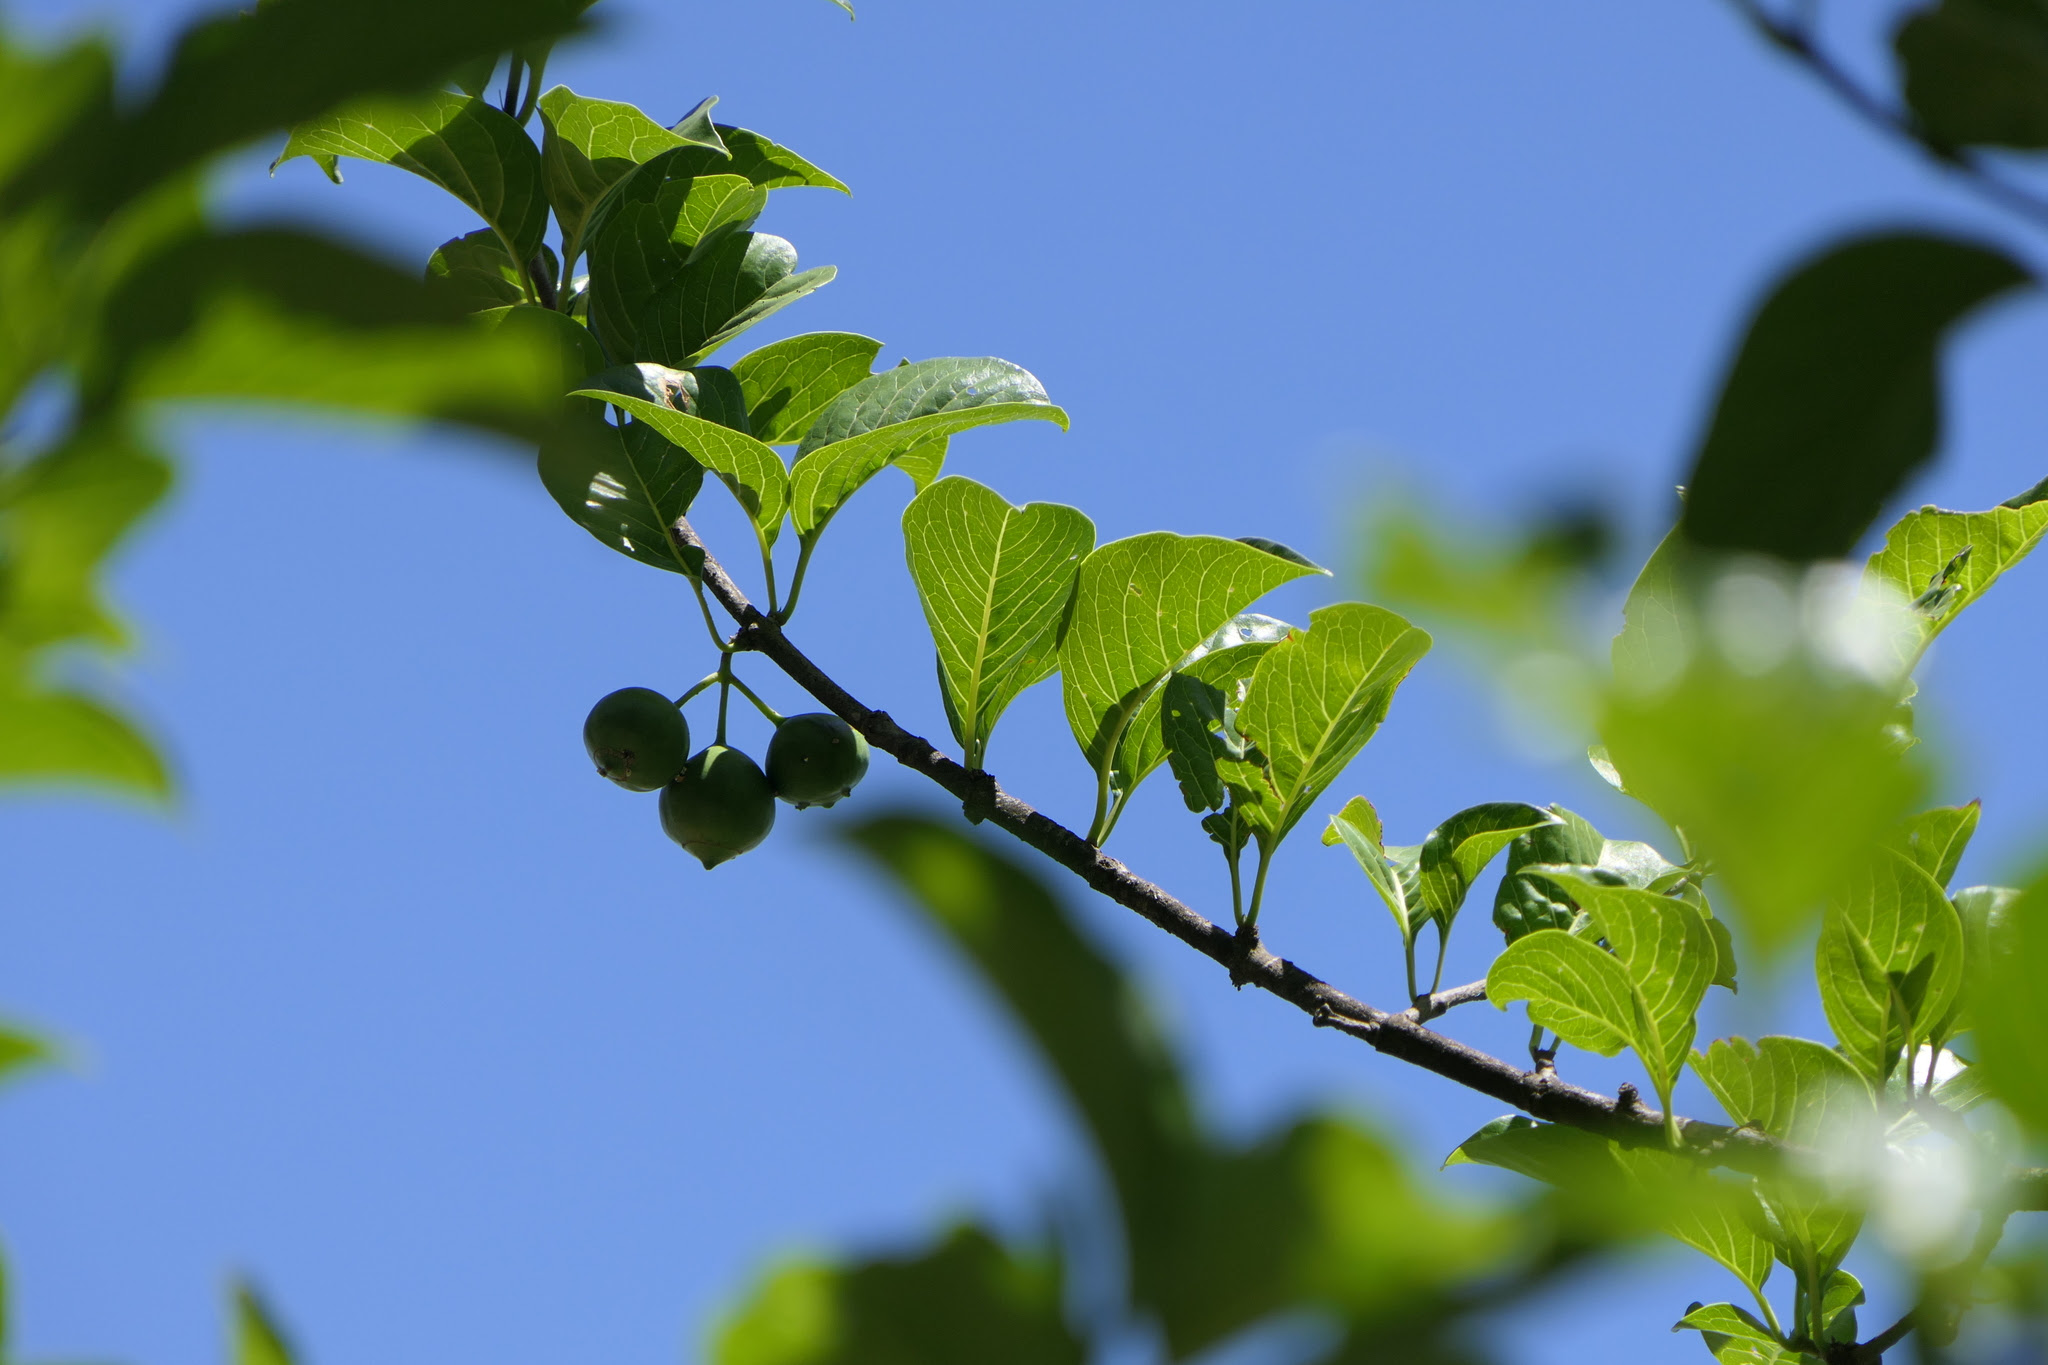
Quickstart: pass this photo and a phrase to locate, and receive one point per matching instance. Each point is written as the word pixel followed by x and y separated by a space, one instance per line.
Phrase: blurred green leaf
pixel 1504 589
pixel 236 77
pixel 276 315
pixel 967 1298
pixel 1727 1320
pixel 1839 1302
pixel 1890 962
pixel 891 413
pixel 2012 1016
pixel 474 151
pixel 59 517
pixel 1751 710
pixel 258 1339
pixel 1316 699
pixel 1140 606
pixel 1943 561
pixel 46 92
pixel 1458 850
pixel 1934 840
pixel 64 736
pixel 753 471
pixel 789 383
pixel 1643 992
pixel 590 146
pixel 19 1051
pixel 994 581
pixel 1976 71
pixel 548 330
pixel 1833 400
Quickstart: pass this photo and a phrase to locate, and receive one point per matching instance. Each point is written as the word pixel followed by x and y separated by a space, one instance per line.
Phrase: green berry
pixel 718 806
pixel 637 738
pixel 815 759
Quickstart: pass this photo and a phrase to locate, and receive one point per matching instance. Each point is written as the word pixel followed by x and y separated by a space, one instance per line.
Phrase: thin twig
pixel 1396 1035
pixel 1796 40
pixel 1428 1007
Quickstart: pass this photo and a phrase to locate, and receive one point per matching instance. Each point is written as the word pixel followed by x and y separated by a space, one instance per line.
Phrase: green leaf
pixel 1574 989
pixel 894 412
pixel 626 485
pixel 2012 1011
pixel 1838 1308
pixel 1890 962
pixel 1976 72
pixel 474 272
pixel 1791 1088
pixel 655 299
pixel 1934 840
pixel 60 516
pixel 1318 697
pixel 590 146
pixel 278 315
pixel 1661 961
pixel 258 1339
pixel 1728 1320
pixel 570 340
pixel 789 383
pixel 1140 605
pixel 1206 689
pixel 1943 561
pixel 1833 400
pixel 1775 765
pixel 753 471
pixel 1525 904
pixel 968 1297
pixel 1458 850
pixel 476 152
pixel 1395 873
pixel 64 736
pixel 21 1051
pixel 994 581
pixel 238 76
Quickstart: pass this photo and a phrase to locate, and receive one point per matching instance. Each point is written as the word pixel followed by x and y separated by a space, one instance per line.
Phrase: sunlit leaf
pixel 1790 1088
pixel 1140 606
pixel 258 1340
pixel 1319 696
pixel 2012 1014
pixel 589 146
pixel 48 736
pixel 753 471
pixel 475 272
pixel 891 413
pixel 994 581
pixel 1890 962
pixel 1934 840
pixel 474 151
pixel 1395 873
pixel 1943 561
pixel 626 485
pixel 1458 850
pixel 653 299
pixel 788 383
pixel 1203 694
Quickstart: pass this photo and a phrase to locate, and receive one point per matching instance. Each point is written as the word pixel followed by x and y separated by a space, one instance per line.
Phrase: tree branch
pixel 1400 1035
pixel 1796 40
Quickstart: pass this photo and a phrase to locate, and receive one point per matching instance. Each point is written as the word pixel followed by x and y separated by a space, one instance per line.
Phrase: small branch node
pixel 980 802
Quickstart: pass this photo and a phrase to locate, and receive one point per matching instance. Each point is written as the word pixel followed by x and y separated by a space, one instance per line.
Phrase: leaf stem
pixel 767 569
pixel 806 544
pixel 724 694
pixel 697 585
pixel 1251 918
pixel 1233 857
pixel 1408 951
pixel 514 67
pixel 1443 946
pixel 1770 1313
pixel 532 100
pixel 774 716
pixel 1098 828
pixel 697 688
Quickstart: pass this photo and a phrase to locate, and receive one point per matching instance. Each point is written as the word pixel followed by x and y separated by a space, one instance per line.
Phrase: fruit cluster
pixel 718 803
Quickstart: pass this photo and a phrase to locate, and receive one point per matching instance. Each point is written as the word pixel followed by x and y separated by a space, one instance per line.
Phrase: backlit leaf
pixel 1934 840
pixel 589 146
pixel 1943 561
pixel 1458 850
pixel 1395 873
pixel 1791 1088
pixel 2012 1013
pixel 257 1337
pixel 1890 962
pixel 994 581
pixel 1525 904
pixel 894 412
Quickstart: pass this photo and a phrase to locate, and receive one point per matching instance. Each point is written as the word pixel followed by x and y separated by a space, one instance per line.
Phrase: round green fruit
pixel 637 738
pixel 815 759
pixel 719 806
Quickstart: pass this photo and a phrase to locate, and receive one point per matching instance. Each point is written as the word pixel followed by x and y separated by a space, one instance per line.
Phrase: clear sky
pixel 407 1014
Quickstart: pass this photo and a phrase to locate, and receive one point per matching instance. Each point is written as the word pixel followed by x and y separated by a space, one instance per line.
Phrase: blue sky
pixel 410 1016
